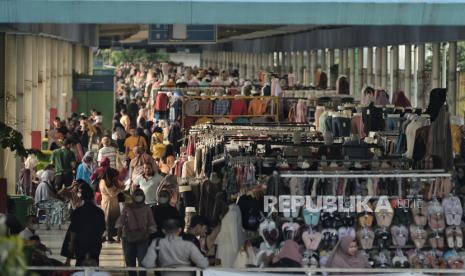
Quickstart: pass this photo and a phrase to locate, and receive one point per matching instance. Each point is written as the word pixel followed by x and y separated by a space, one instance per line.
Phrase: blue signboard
pixel 195 34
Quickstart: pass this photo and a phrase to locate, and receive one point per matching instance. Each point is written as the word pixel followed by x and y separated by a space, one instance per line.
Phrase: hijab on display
pixel 340 257
pixel 436 216
pixel 311 239
pixel 382 98
pixel 329 238
pixel 400 100
pixel 382 260
pixel 453 210
pixel 383 237
pixel 346 231
pixel 311 218
pixel 454 237
pixel 385 215
pixel 289 250
pixel 399 235
pixel 453 259
pixel 400 260
pixel 437 98
pixel 366 237
pixel 420 214
pixel 418 235
pixel 269 232
pixel 290 230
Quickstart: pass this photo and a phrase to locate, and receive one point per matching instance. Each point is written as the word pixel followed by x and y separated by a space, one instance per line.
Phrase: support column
pixel 27 123
pixel 54 72
pixel 300 75
pixel 378 61
pixel 48 81
pixel 77 57
pixel 341 68
pixel 11 61
pixel 324 60
pixel 384 67
pixel 35 80
pixel 3 84
pixel 61 106
pixel 345 55
pixel 369 79
pixel 452 79
pixel 359 80
pixel 435 72
pixel 90 61
pixel 351 70
pixel 408 71
pixel 444 70
pixel 313 64
pixel 394 69
pixel 41 83
pixel 420 93
pixel 331 62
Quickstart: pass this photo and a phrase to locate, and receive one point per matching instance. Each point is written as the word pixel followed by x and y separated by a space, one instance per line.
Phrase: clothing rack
pixel 368 174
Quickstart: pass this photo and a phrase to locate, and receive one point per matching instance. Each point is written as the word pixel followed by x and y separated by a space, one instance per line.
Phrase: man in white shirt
pixel 31 227
pixel 173 251
pixel 149 182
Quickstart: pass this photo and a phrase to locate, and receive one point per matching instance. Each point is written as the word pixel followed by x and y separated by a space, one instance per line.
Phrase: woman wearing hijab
pixel 86 168
pixel 289 255
pixel 119 134
pixel 346 255
pixel 45 190
pixel 136 224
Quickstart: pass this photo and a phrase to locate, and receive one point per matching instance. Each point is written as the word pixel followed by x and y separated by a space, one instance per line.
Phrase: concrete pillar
pixel 331 62
pixel 54 72
pixel 299 66
pixel 90 61
pixel 384 67
pixel 452 79
pixel 394 69
pixel 435 72
pixel 35 82
pixel 340 68
pixel 61 107
pixel 2 94
pixel 346 62
pixel 369 79
pixel 421 93
pixel 313 65
pixel 11 61
pixel 20 77
pixel 27 123
pixel 444 47
pixel 48 80
pixel 250 66
pixel 408 71
pixel 351 72
pixel 378 61
pixel 41 83
pixel 77 55
pixel 359 80
pixel 66 93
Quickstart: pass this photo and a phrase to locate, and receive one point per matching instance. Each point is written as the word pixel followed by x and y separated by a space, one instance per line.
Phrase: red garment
pixel 161 103
pixel 238 107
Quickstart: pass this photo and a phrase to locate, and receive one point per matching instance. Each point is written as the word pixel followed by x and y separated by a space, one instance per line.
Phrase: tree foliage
pixel 116 57
pixel 13 140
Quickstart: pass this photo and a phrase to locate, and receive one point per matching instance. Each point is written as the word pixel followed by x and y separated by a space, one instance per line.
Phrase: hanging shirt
pixel 161 103
pixel 221 107
pixel 257 107
pixel 238 107
pixel 191 107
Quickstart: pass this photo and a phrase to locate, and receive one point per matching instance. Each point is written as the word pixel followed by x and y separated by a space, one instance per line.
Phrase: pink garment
pixel 301 112
pixel 290 250
pixel 382 98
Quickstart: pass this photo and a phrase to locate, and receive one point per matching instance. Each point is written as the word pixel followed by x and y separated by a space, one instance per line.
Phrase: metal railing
pixel 308 271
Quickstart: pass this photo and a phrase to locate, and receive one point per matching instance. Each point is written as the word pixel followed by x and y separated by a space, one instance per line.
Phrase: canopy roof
pixel 315 12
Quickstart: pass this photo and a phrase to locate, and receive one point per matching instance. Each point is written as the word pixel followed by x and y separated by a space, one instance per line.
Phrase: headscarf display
pixel 340 257
pixel 400 100
pixel 382 98
pixel 289 250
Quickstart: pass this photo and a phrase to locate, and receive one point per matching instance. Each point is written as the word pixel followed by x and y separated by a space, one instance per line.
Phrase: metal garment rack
pixel 367 174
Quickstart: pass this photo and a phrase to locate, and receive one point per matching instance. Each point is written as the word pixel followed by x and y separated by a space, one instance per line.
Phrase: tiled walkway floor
pixel 111 256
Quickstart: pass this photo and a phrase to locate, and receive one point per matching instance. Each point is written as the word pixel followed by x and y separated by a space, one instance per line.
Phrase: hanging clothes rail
pixel 367 174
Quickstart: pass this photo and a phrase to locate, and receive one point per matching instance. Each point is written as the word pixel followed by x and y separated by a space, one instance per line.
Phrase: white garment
pixel 410 133
pixel 149 186
pixel 110 153
pixel 26 234
pixel 296 186
pixel 188 169
pixel 43 192
pixel 231 237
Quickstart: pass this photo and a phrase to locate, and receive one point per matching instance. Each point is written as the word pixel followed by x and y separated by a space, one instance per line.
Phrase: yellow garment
pixel 456 138
pixel 133 141
pixel 257 107
pixel 203 120
pixel 317 78
pixel 158 150
pixel 223 121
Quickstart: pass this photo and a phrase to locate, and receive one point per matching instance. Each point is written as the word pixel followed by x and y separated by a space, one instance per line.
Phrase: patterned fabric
pixel 56 212
pixel 221 107
pixel 205 107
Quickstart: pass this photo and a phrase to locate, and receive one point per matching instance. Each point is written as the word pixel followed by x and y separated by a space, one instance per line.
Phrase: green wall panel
pixel 102 101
